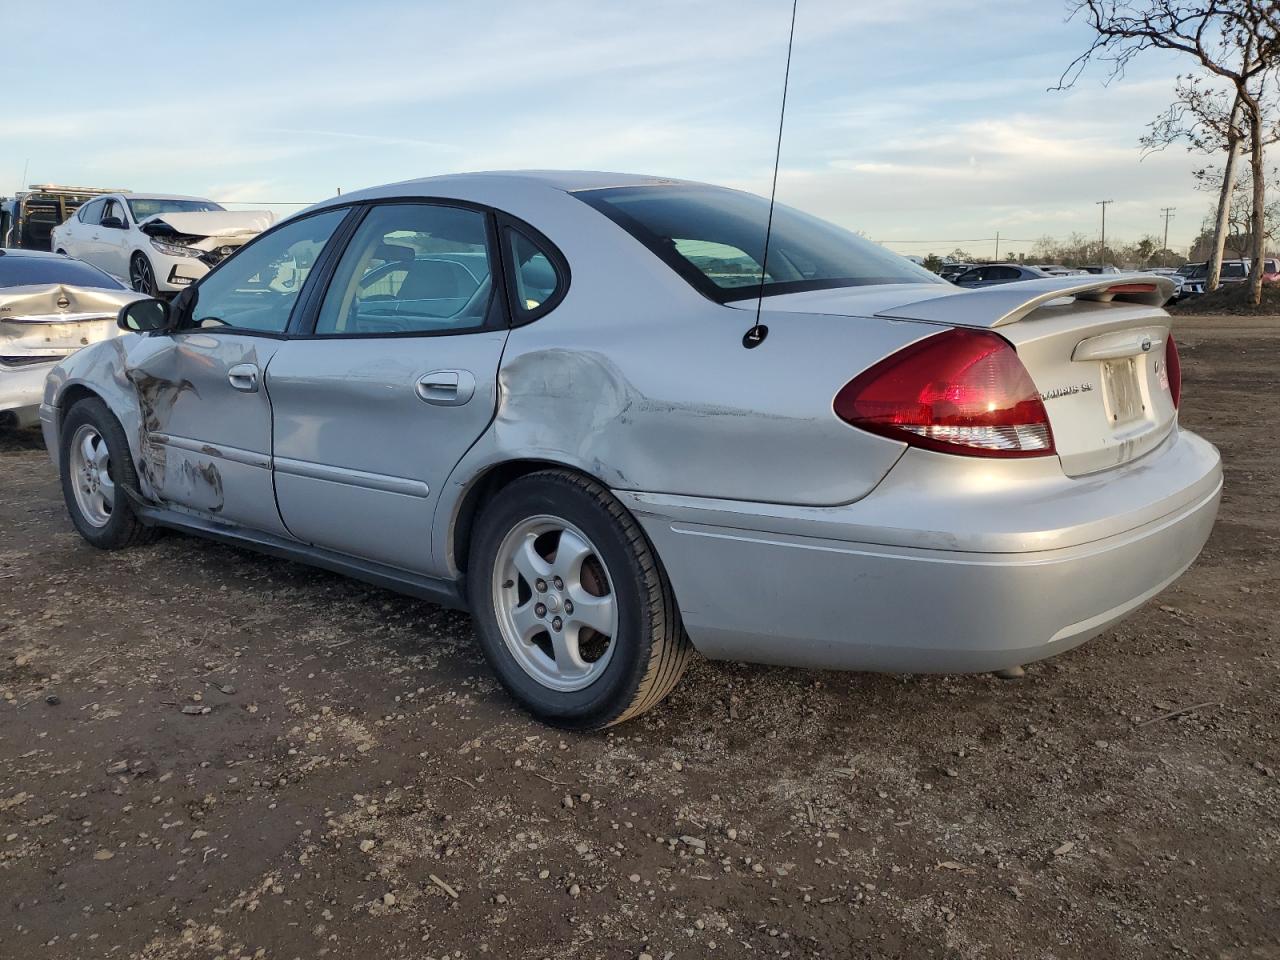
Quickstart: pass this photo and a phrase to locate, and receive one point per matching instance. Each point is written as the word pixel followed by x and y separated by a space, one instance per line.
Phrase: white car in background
pixel 155 243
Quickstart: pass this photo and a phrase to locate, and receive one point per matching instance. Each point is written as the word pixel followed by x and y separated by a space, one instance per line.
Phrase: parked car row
pixel 1195 275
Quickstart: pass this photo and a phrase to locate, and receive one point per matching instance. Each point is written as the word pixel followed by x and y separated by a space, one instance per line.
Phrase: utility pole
pixel 997 257
pixel 1168 214
pixel 1102 258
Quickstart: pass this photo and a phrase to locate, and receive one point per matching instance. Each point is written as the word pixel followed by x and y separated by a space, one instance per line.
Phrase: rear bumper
pixel 21 389
pixel 815 597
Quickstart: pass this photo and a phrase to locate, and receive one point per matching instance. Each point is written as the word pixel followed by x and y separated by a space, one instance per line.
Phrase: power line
pixel 1001 237
pixel 270 203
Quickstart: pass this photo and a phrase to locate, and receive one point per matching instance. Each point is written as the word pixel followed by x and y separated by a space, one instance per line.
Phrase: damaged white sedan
pixel 50 307
pixel 156 244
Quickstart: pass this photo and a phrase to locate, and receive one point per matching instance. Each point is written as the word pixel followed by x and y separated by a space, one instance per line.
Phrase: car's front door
pixel 397 380
pixel 206 416
pixel 115 240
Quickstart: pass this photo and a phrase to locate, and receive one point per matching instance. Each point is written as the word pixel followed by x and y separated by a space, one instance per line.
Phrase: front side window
pixel 714 238
pixel 411 268
pixel 257 287
pixel 143 207
pixel 114 209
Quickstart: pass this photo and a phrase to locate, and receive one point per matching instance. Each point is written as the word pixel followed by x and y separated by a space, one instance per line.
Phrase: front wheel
pixel 573 609
pixel 96 470
pixel 141 275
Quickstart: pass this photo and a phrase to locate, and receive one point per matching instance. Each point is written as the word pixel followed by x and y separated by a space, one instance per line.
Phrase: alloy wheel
pixel 555 603
pixel 91 480
pixel 141 276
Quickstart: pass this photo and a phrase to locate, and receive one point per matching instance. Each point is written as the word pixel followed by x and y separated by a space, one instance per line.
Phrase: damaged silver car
pixel 50 307
pixel 591 409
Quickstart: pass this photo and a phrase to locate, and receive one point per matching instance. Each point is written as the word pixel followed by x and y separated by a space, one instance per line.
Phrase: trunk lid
pixel 40 324
pixel 1094 348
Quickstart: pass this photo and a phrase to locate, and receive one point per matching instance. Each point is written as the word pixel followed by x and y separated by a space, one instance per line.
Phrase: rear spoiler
pixel 1009 302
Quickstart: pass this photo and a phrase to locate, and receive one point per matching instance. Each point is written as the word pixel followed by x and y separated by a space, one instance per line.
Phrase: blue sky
pixel 907 119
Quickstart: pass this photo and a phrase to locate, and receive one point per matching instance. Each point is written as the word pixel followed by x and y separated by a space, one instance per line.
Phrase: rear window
pixel 714 238
pixel 18 271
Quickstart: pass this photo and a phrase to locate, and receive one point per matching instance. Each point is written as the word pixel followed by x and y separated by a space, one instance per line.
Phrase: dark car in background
pixel 991 274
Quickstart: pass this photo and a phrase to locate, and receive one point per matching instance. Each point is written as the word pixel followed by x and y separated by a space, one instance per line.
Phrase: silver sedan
pixel 578 404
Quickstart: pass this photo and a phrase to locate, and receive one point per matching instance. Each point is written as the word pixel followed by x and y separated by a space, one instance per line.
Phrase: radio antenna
pixel 755 336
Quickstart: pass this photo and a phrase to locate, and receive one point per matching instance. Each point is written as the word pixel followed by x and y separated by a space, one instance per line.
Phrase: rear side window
pixel 539 283
pixel 18 271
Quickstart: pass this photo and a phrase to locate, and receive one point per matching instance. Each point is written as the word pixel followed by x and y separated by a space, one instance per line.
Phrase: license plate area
pixel 1121 391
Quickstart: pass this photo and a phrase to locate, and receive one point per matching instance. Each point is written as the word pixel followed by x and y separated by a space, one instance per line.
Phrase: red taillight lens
pixel 1174 367
pixel 962 391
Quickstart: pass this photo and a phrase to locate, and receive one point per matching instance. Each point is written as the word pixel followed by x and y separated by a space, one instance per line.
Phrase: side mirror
pixel 114 223
pixel 146 316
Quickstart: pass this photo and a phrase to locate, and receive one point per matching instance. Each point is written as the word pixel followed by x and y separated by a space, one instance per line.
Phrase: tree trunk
pixel 1259 225
pixel 1222 225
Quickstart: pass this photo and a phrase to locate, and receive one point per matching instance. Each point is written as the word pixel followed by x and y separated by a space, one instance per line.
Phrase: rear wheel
pixel 96 469
pixel 141 276
pixel 574 612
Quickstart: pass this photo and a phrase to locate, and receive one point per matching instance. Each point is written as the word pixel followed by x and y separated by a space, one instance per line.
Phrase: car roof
pixel 158 196
pixel 568 180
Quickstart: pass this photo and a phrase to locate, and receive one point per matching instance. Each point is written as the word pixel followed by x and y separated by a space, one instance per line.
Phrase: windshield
pixel 143 207
pixel 18 271
pixel 714 238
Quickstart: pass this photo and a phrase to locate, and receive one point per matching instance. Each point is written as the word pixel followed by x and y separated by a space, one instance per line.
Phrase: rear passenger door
pixel 395 381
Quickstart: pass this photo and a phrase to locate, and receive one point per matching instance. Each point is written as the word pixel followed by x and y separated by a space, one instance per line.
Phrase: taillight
pixel 962 391
pixel 1174 368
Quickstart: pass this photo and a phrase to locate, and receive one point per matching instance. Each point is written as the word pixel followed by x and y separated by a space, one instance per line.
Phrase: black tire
pixel 651 649
pixel 142 276
pixel 123 529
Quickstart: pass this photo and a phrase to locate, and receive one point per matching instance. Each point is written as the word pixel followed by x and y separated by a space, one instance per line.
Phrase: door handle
pixel 243 377
pixel 447 388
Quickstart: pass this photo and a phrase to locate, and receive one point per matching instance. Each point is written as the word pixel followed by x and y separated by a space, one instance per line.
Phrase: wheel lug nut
pixel 541 586
pixel 559 583
pixel 540 609
pixel 557 623
pixel 568 606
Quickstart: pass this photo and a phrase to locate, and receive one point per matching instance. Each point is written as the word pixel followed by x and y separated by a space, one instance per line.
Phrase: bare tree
pixel 1208 119
pixel 1237 41
pixel 1238 214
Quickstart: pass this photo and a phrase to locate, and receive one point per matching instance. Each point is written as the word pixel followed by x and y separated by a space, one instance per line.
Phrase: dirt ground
pixel 207 753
